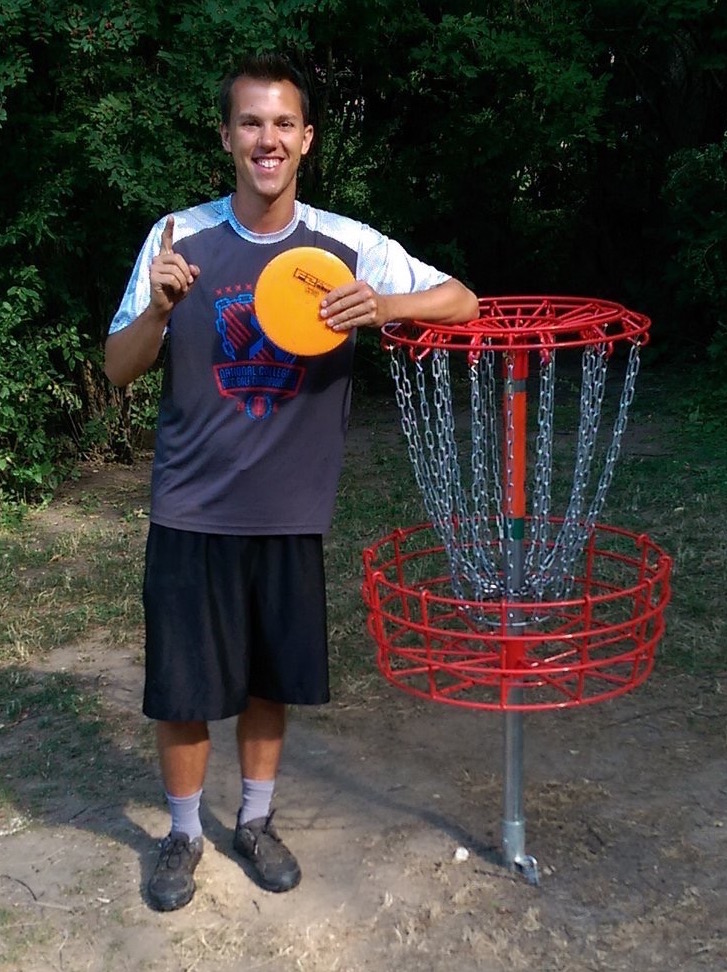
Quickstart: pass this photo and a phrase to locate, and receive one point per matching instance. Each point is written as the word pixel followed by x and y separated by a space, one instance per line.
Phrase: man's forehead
pixel 258 95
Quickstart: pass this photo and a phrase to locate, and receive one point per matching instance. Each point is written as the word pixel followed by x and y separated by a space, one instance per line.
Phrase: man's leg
pixel 184 749
pixel 183 754
pixel 260 733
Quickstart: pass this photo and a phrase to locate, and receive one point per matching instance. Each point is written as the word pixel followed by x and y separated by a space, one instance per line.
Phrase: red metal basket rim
pixel 527 323
pixel 652 575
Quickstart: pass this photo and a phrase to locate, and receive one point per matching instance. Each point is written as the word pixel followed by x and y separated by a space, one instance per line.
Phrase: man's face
pixel 267 138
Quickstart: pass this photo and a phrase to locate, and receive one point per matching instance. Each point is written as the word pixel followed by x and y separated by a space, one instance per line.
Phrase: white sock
pixel 257 795
pixel 185 814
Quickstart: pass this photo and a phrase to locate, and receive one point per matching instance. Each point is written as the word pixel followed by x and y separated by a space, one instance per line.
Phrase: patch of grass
pixel 50 728
pixel 55 587
pixel 58 743
pixel 46 698
pixel 21 935
pixel 69 571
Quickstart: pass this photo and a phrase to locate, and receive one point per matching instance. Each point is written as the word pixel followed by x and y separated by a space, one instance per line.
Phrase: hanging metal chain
pixel 430 433
pixel 471 523
pixel 485 463
pixel 537 552
pixel 451 490
pixel 429 448
pixel 555 575
pixel 619 427
pixel 418 455
pixel 573 534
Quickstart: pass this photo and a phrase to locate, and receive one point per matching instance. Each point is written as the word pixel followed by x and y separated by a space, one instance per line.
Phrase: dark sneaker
pixel 258 842
pixel 172 885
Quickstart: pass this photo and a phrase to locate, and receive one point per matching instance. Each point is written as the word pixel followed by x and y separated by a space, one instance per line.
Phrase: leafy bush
pixel 695 193
pixel 36 390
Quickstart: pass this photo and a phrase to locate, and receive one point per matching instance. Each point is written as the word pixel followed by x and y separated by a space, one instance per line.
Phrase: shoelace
pixel 267 830
pixel 175 847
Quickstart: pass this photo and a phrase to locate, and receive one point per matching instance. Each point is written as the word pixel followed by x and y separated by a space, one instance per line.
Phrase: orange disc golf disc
pixel 288 299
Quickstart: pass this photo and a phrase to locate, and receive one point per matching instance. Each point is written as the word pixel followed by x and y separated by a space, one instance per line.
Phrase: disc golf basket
pixel 497 603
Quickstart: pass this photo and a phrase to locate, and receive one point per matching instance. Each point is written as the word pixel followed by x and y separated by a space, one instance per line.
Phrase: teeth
pixel 268 163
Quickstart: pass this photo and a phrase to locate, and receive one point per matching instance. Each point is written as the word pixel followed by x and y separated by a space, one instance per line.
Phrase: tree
pixel 521 145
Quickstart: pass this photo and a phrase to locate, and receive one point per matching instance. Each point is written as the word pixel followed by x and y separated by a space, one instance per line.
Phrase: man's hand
pixel 133 350
pixel 358 305
pixel 170 274
pixel 354 304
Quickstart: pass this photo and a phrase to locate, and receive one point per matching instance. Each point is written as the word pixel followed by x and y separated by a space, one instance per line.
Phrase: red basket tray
pixel 514 654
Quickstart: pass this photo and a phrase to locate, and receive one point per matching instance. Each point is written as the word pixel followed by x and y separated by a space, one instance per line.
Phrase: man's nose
pixel 268 135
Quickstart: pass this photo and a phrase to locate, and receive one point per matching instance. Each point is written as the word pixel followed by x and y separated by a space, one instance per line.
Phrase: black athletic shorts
pixel 228 617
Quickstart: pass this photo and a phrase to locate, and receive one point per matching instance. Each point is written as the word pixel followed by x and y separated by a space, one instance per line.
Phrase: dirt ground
pixel 626 811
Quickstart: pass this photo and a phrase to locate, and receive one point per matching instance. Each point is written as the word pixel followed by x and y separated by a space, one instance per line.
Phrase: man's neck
pixel 259 217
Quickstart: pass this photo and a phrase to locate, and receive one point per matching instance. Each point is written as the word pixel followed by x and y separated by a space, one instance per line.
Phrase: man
pixel 249 449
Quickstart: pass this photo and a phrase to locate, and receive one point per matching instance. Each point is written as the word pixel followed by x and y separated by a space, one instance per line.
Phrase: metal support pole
pixel 513 822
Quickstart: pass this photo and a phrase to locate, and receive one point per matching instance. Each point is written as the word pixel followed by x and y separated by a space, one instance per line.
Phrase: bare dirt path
pixel 626 807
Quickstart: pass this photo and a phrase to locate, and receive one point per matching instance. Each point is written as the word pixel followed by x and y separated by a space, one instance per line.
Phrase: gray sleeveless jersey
pixel 250 438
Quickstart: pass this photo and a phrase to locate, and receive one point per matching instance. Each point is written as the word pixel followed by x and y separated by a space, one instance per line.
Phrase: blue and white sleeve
pixel 138 290
pixel 387 267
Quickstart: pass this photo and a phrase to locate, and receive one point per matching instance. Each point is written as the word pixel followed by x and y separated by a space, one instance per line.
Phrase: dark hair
pixel 264 67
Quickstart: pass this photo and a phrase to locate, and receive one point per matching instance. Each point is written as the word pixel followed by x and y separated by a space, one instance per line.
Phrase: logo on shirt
pixel 259 374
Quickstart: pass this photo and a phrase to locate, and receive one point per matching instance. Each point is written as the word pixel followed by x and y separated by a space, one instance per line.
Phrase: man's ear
pixel 225 137
pixel 307 139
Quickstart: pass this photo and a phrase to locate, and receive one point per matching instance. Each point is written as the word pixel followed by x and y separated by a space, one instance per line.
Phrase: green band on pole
pixel 515 528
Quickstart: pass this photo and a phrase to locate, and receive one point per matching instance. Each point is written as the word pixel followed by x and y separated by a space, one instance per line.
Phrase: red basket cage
pixel 593 646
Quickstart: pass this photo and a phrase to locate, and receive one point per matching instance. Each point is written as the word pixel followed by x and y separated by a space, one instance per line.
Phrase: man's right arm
pixel 132 350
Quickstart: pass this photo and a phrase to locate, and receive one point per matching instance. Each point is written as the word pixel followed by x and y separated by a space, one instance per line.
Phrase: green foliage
pixel 36 361
pixel 558 145
pixel 695 193
pixel 145 400
pixel 114 102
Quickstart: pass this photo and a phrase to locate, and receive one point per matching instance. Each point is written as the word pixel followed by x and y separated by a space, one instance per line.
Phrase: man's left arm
pixel 359 305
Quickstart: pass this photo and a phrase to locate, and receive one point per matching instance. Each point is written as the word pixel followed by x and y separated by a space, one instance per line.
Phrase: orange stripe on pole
pixel 516 412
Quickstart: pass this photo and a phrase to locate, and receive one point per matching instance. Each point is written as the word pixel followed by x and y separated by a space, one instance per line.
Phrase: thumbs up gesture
pixel 170 275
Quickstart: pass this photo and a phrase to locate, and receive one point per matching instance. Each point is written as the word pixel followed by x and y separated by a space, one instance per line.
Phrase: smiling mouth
pixel 268 164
